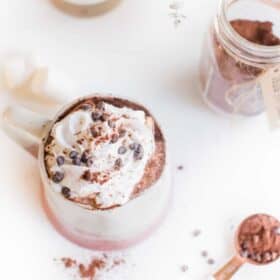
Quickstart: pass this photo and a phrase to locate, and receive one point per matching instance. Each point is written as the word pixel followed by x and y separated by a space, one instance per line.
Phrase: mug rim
pixel 63 110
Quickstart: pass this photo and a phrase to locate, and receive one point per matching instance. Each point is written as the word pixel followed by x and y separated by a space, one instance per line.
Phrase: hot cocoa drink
pixel 104 152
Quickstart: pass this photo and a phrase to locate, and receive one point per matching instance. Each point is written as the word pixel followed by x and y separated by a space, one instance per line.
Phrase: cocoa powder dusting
pixel 90 270
pixel 68 262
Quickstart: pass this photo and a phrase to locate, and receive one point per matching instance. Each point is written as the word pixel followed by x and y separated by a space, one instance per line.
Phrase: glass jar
pixel 85 8
pixel 241 44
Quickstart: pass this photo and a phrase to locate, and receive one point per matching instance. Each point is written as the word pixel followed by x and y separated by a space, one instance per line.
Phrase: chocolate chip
pixel 66 192
pixel 100 105
pixel 76 161
pixel 60 160
pixel 210 261
pixel 111 124
pixel 85 156
pixel 184 268
pixel 58 176
pixel 122 150
pixel 138 152
pixel 118 163
pixel 133 146
pixel 122 132
pixel 114 138
pixel 196 233
pixel 180 167
pixel 89 162
pixel 87 175
pixel 96 115
pixel 94 132
pixel 104 117
pixel 73 154
pixel 204 254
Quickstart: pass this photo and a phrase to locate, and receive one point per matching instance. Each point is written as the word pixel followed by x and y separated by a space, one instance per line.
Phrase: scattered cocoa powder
pixel 89 270
pixel 68 262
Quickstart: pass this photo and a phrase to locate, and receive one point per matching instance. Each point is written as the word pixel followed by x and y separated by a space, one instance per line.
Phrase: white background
pixel 231 167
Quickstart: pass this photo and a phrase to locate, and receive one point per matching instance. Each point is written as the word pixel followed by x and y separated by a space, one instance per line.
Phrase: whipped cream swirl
pixel 99 153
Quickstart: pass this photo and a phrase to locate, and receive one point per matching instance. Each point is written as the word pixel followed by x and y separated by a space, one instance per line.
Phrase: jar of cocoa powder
pixel 242 43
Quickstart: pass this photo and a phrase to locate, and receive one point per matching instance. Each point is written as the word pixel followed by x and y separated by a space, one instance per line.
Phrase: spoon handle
pixel 226 272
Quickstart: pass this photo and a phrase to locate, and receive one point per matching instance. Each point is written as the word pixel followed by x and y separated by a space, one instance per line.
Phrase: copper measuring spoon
pixel 242 255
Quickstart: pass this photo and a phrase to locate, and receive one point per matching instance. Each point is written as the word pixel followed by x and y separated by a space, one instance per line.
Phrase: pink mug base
pixel 98 244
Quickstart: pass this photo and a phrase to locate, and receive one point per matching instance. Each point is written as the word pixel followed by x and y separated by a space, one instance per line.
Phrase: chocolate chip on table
pixel 210 261
pixel 204 254
pixel 58 176
pixel 66 192
pixel 73 154
pixel 122 150
pixel 96 116
pixel 180 167
pixel 60 160
pixel 114 139
pixel 118 163
pixel 184 268
pixel 196 233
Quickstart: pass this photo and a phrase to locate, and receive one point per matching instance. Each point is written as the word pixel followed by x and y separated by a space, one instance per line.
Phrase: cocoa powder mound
pixel 259 239
pixel 257 32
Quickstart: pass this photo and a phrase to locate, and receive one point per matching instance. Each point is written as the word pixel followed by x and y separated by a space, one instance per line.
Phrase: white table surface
pixel 231 167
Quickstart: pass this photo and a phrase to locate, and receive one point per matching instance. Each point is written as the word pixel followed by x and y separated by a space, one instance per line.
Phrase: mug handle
pixel 25 127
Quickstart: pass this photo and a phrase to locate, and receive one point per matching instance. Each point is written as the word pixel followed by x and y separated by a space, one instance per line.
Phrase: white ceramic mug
pixel 115 228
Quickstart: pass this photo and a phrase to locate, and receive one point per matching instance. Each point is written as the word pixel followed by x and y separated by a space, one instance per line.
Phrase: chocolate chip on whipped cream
pixel 104 164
